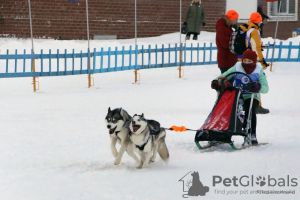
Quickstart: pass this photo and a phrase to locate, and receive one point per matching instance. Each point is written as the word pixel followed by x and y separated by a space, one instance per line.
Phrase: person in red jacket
pixel 224 26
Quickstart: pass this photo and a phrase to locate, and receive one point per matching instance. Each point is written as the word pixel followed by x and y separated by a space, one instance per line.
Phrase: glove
pixel 255 87
pixel 264 64
pixel 215 85
pixel 184 23
pixel 203 24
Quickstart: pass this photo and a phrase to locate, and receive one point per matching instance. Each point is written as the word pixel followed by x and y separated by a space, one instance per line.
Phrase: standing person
pixel 225 57
pixel 194 18
pixel 253 40
pixel 260 11
pixel 255 71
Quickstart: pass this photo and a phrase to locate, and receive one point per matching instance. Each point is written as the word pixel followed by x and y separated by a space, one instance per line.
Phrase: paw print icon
pixel 261 181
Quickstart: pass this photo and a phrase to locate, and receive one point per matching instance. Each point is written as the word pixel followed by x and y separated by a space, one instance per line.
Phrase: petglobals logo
pixel 192 185
pixel 251 181
pixel 243 185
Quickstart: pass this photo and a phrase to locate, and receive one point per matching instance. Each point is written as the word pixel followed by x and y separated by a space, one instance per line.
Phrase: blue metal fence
pixel 138 57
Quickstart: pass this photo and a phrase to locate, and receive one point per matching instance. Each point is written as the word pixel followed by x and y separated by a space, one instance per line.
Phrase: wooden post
pixel 89 76
pixel 34 78
pixel 271 67
pixel 135 75
pixel 180 62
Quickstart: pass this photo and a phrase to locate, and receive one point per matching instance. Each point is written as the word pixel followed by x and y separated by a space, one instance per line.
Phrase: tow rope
pixel 179 129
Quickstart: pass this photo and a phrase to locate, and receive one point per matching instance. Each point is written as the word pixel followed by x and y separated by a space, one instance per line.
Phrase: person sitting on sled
pixel 255 71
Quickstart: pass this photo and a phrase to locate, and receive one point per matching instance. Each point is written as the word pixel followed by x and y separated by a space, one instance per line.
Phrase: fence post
pixel 24 62
pixel 16 60
pixel 42 62
pixel 135 64
pixel 57 62
pixel 33 70
pixel 204 53
pixel 191 53
pixel 289 52
pixel 89 67
pixel 116 58
pixel 180 46
pixel 7 52
pixel 197 53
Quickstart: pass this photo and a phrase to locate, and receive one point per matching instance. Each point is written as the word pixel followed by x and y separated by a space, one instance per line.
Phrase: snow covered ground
pixel 54 143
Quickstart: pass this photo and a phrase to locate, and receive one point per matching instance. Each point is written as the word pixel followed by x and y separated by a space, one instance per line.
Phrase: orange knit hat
pixel 232 14
pixel 255 17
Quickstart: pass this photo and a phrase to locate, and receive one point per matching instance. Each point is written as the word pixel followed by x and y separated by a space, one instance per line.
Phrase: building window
pixel 287 11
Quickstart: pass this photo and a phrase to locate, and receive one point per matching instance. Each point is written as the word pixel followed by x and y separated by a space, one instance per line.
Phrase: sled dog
pixel 148 138
pixel 117 121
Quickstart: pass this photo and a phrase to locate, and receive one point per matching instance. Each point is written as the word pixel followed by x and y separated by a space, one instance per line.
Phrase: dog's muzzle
pixel 135 127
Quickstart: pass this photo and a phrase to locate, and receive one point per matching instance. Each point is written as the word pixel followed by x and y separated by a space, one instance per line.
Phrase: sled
pixel 227 117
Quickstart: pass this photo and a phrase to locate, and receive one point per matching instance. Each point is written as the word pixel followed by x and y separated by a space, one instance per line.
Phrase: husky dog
pixel 149 139
pixel 118 121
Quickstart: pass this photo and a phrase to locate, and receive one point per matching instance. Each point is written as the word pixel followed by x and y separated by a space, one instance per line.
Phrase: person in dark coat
pixel 194 18
pixel 224 26
pixel 260 11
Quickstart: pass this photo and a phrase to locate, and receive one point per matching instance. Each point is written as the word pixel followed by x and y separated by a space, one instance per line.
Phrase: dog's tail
pixel 163 151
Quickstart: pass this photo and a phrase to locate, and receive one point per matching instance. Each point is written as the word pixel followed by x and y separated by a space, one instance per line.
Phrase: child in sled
pixel 249 66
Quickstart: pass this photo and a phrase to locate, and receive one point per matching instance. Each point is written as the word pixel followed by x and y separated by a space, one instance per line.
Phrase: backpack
pixel 237 43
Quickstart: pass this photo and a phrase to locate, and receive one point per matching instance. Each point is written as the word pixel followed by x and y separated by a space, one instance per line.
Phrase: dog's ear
pixel 124 114
pixel 109 109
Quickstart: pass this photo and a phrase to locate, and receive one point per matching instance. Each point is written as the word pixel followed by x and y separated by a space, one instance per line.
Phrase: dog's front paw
pixel 152 159
pixel 117 161
pixel 140 165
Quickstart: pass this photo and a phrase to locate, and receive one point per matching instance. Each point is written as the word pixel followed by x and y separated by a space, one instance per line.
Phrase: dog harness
pixel 152 133
pixel 116 132
pixel 143 146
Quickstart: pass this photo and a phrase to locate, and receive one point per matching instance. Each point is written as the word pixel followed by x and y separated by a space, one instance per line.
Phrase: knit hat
pixel 255 17
pixel 232 14
pixel 250 54
pixel 260 4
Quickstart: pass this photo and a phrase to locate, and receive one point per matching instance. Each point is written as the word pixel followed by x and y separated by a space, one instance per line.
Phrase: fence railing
pixel 139 57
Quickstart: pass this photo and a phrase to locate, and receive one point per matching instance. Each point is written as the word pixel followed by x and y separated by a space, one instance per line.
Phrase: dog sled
pixel 227 117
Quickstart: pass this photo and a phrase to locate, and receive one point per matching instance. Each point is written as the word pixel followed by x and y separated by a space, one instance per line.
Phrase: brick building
pixel 288 18
pixel 66 19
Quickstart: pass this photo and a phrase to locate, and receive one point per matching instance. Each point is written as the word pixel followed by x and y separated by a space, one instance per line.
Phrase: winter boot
pixel 195 37
pixel 254 139
pixel 187 37
pixel 261 110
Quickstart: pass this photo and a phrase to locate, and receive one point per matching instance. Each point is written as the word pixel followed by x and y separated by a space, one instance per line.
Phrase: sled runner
pixel 227 117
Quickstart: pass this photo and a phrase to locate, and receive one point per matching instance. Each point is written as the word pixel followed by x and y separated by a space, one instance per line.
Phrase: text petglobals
pixel 246 181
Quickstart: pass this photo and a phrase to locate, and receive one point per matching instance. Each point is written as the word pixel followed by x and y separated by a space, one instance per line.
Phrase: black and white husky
pixel 148 138
pixel 117 121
